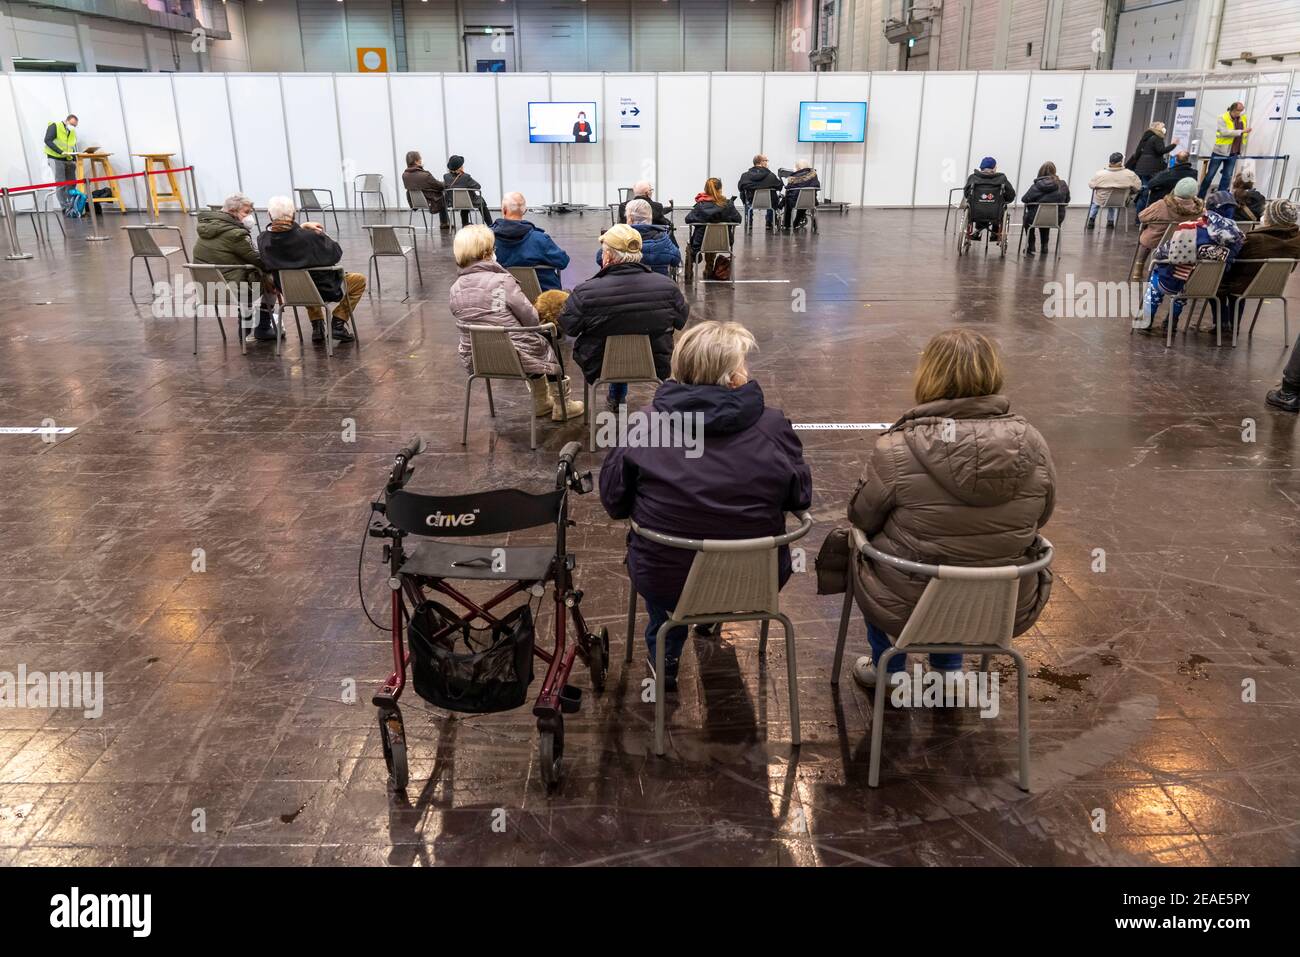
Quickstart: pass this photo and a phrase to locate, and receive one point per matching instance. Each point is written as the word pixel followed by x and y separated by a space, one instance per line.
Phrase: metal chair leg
pixel 844 631
pixel 1255 318
pixel 418 272
pixel 196 332
pixel 464 428
pixel 1022 681
pixel 406 272
pixel 631 620
pixel 762 637
pixel 370 266
pixel 792 676
pixel 878 716
pixel 660 705
pixel 492 409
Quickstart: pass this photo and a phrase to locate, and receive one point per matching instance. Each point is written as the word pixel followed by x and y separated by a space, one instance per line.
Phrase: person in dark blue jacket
pixel 520 243
pixel 658 249
pixel 740 472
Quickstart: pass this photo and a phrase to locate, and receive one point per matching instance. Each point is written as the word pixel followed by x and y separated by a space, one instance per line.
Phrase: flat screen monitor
pixel 573 122
pixel 824 122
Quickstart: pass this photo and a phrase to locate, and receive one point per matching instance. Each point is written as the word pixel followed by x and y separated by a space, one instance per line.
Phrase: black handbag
pixel 470 669
pixel 833 560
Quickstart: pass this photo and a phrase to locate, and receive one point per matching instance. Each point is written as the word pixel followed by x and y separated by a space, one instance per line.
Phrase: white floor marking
pixel 844 426
pixel 36 430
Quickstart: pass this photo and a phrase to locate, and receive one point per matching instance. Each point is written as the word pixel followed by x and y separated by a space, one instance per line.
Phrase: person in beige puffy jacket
pixel 485 293
pixel 958 480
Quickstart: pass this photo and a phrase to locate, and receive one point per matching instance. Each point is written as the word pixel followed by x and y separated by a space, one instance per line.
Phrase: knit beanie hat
pixel 1185 188
pixel 1281 213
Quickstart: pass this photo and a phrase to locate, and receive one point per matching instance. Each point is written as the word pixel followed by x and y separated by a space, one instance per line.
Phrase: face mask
pixel 250 221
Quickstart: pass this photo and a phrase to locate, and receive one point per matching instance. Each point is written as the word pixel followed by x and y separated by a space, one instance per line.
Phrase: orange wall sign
pixel 372 60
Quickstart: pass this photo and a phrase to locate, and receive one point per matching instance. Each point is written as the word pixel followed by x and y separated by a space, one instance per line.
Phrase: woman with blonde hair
pixel 485 293
pixel 958 480
pixel 1150 157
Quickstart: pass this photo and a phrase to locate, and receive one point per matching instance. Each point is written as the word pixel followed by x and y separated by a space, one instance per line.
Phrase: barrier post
pixel 92 212
pixel 12 228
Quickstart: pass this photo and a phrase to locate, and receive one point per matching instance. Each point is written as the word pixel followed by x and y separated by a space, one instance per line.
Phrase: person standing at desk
pixel 61 150
pixel 1229 143
pixel 582 129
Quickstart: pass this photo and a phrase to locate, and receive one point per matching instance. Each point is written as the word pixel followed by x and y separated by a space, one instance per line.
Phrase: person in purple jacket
pixel 739 469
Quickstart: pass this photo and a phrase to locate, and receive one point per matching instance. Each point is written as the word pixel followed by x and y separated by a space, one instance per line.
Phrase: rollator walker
pixel 425 633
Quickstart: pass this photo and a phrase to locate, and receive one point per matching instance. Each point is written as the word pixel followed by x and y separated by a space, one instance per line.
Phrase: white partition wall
pixel 842 176
pixel 998 126
pixel 942 158
pixel 104 126
pixel 892 136
pixel 782 93
pixel 13 162
pixel 203 110
pixel 631 148
pixel 735 134
pixel 587 161
pixel 1107 109
pixel 149 111
pixel 311 121
pixel 418 122
pixel 1051 121
pixel 525 166
pixel 39 99
pixel 683 137
pixel 471 118
pixel 261 145
pixel 366 130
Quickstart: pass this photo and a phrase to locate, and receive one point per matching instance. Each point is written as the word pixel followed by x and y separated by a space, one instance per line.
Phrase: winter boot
pixel 541 396
pixel 561 409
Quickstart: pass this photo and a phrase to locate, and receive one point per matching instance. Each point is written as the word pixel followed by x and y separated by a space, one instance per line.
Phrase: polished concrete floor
pixel 1165 698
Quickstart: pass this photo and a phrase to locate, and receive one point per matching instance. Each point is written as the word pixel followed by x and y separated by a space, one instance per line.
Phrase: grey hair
pixel 514 203
pixel 618 256
pixel 235 202
pixel 280 207
pixel 642 188
pixel 639 211
pixel 802 164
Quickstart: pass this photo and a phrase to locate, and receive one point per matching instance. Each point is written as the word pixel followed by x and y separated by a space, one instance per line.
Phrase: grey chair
pixel 298 290
pixel 627 360
pixel 48 196
pixel 1269 283
pixel 763 199
pixel 1116 198
pixel 1201 287
pixel 493 356
pixel 419 203
pixel 729 580
pixel 1046 216
pixel 385 244
pixel 220 296
pixel 951 206
pixel 805 199
pixel 309 201
pixel 624 194
pixel 529 284
pixel 718 240
pixel 369 184
pixel 144 246
pixel 462 201
pixel 613 213
pixel 977 604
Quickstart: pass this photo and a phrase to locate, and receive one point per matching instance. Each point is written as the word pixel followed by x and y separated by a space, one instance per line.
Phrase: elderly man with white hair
pixel 521 243
pixel 287 244
pixel 659 250
pixel 643 189
pixel 803 177
pixel 226 239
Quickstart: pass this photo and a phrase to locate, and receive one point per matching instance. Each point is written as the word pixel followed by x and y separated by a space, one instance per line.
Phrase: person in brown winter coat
pixel 958 480
pixel 1180 206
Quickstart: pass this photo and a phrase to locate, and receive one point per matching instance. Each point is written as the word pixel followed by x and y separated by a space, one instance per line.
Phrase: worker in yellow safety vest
pixel 61 151
pixel 1229 144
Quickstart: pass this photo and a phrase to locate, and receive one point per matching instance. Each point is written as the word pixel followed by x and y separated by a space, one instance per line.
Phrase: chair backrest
pixel 308 200
pixel 529 284
pixel 370 183
pixel 613 213
pixel 805 198
pixel 460 198
pixel 1204 281
pixel 1270 281
pixel 763 199
pixel 628 359
pixel 142 241
pixel 215 290
pixel 1046 216
pixel 624 194
pixel 1117 197
pixel 492 353
pixel 716 239
pixel 298 289
pixel 417 200
pixel 384 241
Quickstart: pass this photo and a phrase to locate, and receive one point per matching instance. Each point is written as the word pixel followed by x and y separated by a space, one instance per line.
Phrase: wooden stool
pixel 100 166
pixel 161 161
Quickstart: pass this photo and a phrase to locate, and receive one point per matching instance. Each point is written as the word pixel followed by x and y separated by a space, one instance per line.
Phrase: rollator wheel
pixel 393 735
pixel 550 755
pixel 598 658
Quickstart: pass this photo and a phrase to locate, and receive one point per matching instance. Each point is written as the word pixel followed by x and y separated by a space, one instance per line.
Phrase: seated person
pixel 625 298
pixel 226 239
pixel 987 193
pixel 457 178
pixel 520 243
pixel 958 480
pixel 1109 179
pixel 1250 201
pixel 1163 183
pixel 802 177
pixel 643 190
pixel 710 207
pixel 658 249
pixel 1180 205
pixel 664 490
pixel 417 179
pixel 1217 237
pixel 753 179
pixel 287 244
pixel 1047 188
pixel 1275 238
pixel 484 293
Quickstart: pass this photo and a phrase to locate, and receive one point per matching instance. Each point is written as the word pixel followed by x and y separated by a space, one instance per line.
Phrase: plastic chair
pixel 493 356
pixel 1201 286
pixel 1046 216
pixel 298 290
pixel 762 199
pixel 951 206
pixel 978 603
pixel 309 202
pixel 385 244
pixel 144 246
pixel 729 580
pixel 627 360
pixel 1117 198
pixel 462 200
pixel 716 241
pixel 624 195
pixel 371 184
pixel 418 203
pixel 1268 283
pixel 217 292
pixel 806 200
pixel 529 284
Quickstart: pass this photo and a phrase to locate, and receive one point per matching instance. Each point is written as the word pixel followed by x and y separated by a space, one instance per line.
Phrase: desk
pixel 99 166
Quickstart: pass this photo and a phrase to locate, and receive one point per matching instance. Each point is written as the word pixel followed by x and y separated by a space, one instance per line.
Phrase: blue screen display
pixel 821 122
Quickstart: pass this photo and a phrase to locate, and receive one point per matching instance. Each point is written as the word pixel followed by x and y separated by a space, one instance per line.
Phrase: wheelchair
pixel 430 567
pixel 984 211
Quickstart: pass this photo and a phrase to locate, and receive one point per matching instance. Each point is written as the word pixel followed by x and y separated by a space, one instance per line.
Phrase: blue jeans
pixel 1111 213
pixel 618 392
pixel 1228 163
pixel 1158 287
pixel 658 615
pixel 880 643
pixel 1143 196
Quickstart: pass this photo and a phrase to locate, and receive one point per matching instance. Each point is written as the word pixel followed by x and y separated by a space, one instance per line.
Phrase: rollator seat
pixel 448 560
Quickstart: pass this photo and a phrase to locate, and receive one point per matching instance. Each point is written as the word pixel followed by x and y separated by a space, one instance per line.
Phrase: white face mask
pixel 250 221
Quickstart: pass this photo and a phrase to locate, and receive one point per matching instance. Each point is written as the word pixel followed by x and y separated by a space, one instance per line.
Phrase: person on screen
pixel 582 129
pixel 417 179
pixel 520 243
pixel 457 178
pixel 803 177
pixel 644 190
pixel 752 180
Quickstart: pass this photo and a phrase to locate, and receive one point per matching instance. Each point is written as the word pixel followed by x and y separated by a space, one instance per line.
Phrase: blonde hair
pixel 711 353
pixel 473 244
pixel 958 364
pixel 1158 127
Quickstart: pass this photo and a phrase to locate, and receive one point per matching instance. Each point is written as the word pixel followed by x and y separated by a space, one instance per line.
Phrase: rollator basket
pixel 459 667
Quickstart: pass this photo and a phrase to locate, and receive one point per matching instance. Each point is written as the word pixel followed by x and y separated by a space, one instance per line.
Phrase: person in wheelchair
pixel 987 193
pixel 665 489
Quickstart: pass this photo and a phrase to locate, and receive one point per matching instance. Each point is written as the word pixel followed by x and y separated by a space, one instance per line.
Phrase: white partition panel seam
pixel 392 138
pixel 180 136
pixel 1078 125
pixel 1024 129
pixel 288 147
pixel 446 130
pixel 230 115
pixel 126 132
pixel 338 129
pixel 916 150
pixel 970 138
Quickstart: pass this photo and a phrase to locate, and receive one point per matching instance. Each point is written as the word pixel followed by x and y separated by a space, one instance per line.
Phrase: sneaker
pixel 864 673
pixel 340 331
pixel 1092 222
pixel 670 672
pixel 1284 399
